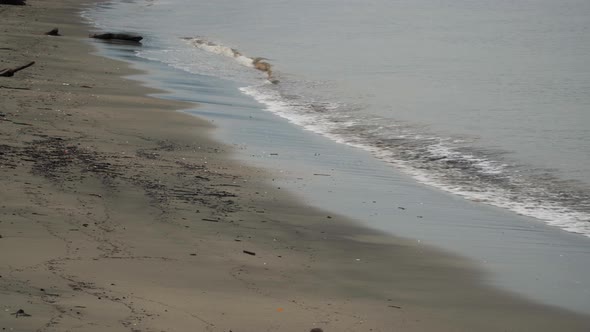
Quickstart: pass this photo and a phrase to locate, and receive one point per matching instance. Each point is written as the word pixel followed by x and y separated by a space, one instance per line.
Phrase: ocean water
pixel 488 100
pixel 368 94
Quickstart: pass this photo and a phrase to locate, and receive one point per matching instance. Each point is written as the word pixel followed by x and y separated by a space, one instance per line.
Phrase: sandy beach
pixel 119 213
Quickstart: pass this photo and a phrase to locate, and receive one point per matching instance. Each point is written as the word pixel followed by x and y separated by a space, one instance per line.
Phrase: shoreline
pixel 515 254
pixel 119 224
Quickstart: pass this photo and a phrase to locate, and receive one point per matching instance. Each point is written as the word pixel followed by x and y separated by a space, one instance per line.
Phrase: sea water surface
pixel 487 101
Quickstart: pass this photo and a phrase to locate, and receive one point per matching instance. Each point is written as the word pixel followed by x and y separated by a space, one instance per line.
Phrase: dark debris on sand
pixel 63 162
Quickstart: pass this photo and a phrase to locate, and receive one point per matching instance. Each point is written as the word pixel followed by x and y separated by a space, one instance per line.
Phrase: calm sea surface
pixel 489 100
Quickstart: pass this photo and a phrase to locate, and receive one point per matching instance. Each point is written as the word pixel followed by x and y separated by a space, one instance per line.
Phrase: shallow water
pixel 488 101
pixel 418 132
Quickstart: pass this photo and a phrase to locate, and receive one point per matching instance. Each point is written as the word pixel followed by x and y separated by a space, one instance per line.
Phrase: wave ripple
pixel 446 163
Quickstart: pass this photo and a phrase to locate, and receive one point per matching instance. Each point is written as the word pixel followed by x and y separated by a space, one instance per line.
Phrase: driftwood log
pixel 117 36
pixel 13 2
pixel 53 32
pixel 262 65
pixel 9 72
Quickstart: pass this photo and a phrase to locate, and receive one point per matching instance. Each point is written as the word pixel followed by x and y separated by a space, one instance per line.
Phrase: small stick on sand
pixel 13 2
pixel 117 36
pixel 13 88
pixel 9 72
pixel 20 313
pixel 53 32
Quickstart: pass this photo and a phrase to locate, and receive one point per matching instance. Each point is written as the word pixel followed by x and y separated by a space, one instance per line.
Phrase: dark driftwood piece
pixel 53 32
pixel 20 313
pixel 9 72
pixel 12 88
pixel 262 65
pixel 13 2
pixel 117 36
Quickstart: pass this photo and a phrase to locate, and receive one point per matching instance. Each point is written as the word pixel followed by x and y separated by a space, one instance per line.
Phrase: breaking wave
pixel 212 47
pixel 449 164
pixel 209 46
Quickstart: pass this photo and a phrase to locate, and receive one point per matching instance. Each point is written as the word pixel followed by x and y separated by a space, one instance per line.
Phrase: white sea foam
pixel 429 159
pixel 518 196
pixel 474 177
pixel 439 162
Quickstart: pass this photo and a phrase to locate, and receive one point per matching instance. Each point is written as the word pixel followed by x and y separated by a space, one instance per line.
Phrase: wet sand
pixel 120 214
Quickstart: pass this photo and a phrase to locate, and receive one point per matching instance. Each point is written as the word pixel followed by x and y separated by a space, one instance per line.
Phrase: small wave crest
pixel 212 47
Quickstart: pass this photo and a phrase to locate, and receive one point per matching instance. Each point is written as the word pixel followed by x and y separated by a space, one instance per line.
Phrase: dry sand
pixel 119 214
